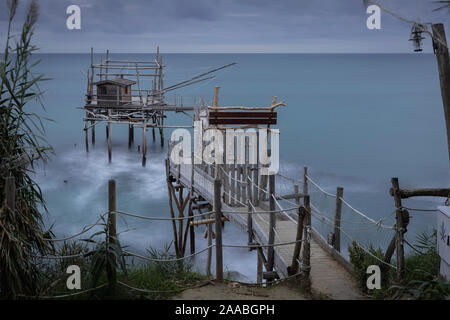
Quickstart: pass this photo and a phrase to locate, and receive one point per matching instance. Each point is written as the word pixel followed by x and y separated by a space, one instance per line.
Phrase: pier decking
pixel 327 275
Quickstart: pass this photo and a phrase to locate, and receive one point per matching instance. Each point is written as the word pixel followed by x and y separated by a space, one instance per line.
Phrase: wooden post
pixel 272 223
pixel 93 132
pixel 232 184
pixel 144 145
pixel 305 180
pixel 109 142
pixel 400 230
pixel 161 129
pixel 192 229
pixel 249 215
pixel 218 215
pixel 86 133
pixel 208 258
pixel 172 213
pixel 443 62
pixel 130 135
pixel 112 234
pixel 337 219
pixel 306 256
pixel 10 193
pixel 259 269
pixel 299 238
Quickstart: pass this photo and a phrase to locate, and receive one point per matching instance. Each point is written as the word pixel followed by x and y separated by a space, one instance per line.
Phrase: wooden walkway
pixel 328 276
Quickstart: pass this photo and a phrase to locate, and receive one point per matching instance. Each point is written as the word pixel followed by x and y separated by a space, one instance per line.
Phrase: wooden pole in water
pixel 130 135
pixel 109 142
pixel 400 230
pixel 93 132
pixel 272 221
pixel 86 133
pixel 443 61
pixel 144 144
pixel 337 219
pixel 218 215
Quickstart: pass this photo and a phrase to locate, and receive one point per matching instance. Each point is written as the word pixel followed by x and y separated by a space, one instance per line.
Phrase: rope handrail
pixel 254 184
pixel 167 260
pixel 160 218
pixel 279 206
pixel 64 295
pixel 261 212
pixel 362 247
pixel 61 257
pixel 320 188
pixel 255 246
pixel 378 223
pixel 80 233
pixel 162 291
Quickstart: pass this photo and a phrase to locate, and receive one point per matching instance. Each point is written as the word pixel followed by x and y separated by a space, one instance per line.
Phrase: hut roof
pixel 117 81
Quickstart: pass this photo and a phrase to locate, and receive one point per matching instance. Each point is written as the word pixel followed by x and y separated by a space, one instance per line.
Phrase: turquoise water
pixel 354 120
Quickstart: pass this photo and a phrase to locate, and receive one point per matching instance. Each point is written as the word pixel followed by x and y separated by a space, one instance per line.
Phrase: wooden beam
pixel 206 221
pixel 422 192
pixel 290 196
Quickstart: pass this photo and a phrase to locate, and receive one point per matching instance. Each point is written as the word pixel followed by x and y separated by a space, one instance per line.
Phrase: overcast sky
pixel 305 26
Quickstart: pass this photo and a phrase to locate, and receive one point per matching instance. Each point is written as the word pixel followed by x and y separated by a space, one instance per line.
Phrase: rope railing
pixel 86 229
pixel 358 244
pixel 167 260
pixel 64 295
pixel 320 188
pixel 161 218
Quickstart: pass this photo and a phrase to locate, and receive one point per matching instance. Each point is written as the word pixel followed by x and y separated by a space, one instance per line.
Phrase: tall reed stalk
pixel 22 147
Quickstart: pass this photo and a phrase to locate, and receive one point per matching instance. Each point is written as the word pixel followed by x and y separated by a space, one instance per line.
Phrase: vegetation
pixel 22 147
pixel 156 280
pixel 422 279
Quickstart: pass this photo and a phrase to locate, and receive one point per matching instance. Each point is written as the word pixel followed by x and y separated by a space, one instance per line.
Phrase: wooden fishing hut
pixel 116 93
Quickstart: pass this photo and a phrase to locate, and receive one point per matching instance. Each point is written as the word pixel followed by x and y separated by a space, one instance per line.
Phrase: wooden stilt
pixel 144 145
pixel 130 135
pixel 272 223
pixel 259 269
pixel 218 216
pixel 86 140
pixel 109 143
pixel 93 132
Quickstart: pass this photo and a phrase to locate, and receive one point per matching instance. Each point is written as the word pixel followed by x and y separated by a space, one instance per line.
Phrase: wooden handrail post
pixel 112 235
pixel 272 223
pixel 299 238
pixel 400 230
pixel 10 193
pixel 218 215
pixel 443 62
pixel 111 210
pixel 306 256
pixel 305 180
pixel 337 219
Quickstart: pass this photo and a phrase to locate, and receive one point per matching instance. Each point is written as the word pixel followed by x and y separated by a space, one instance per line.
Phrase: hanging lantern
pixel 416 37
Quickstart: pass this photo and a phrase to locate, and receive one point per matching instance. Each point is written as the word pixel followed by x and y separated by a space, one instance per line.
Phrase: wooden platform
pixel 327 274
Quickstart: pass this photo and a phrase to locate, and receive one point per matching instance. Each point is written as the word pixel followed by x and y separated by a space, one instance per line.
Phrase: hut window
pixel 102 90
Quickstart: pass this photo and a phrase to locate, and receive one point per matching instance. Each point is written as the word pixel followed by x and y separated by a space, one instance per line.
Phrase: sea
pixel 355 120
